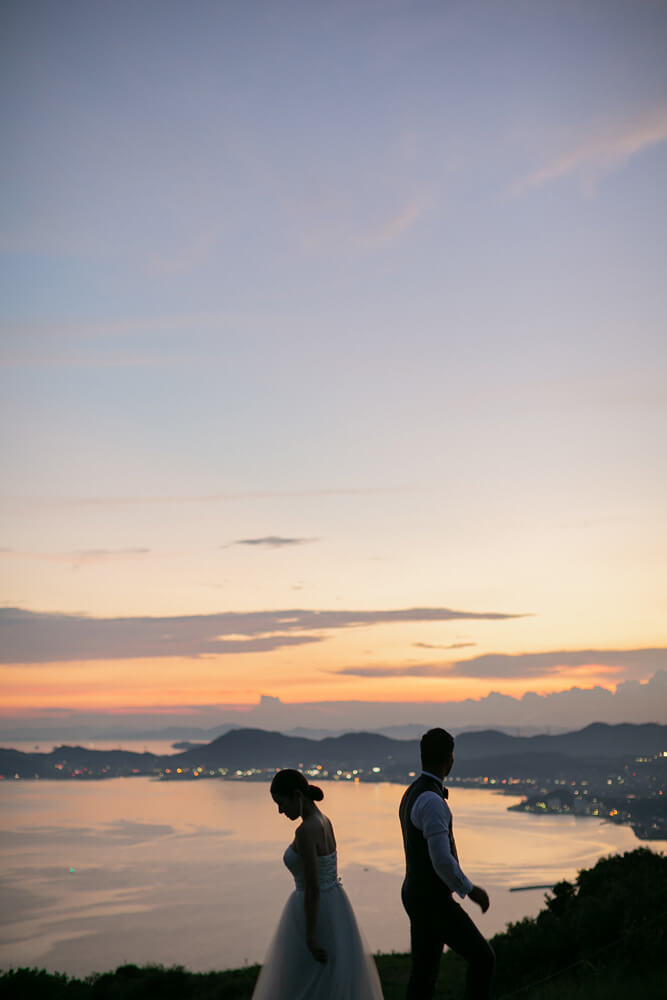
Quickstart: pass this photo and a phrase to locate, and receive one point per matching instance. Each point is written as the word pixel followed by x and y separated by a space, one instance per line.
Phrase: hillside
pixel 489 752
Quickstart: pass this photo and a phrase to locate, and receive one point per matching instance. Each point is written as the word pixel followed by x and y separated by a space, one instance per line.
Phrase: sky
pixel 333 353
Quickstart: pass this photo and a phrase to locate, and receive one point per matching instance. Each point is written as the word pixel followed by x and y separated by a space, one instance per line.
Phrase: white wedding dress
pixel 291 973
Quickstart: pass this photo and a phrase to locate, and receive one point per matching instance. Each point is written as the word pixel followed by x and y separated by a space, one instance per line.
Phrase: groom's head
pixel 437 751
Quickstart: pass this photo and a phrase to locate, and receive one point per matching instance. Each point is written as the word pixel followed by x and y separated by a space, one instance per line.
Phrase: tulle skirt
pixel 291 973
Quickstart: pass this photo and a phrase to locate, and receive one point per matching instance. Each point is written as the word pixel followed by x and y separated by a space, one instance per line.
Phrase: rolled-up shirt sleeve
pixel 432 816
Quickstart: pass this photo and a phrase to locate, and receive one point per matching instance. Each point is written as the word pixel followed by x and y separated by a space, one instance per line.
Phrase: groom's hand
pixel 479 896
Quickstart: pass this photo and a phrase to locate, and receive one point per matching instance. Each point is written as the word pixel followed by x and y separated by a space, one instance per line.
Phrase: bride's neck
pixel 309 809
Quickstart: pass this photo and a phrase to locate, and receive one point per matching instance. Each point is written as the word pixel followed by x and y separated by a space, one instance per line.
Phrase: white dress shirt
pixel 431 814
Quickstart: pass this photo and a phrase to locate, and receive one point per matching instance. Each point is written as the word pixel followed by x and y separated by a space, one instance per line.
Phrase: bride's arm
pixel 311 883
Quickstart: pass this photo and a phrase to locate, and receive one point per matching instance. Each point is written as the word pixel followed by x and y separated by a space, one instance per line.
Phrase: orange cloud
pixel 603 149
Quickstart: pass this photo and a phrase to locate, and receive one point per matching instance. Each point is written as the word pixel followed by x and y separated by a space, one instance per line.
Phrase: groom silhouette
pixel 432 874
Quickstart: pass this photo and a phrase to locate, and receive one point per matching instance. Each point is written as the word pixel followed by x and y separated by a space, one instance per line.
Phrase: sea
pixel 96 874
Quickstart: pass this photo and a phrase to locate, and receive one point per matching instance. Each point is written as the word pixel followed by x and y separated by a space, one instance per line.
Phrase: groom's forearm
pixel 446 866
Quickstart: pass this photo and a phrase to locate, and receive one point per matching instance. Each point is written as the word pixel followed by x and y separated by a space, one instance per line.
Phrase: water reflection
pixel 190 873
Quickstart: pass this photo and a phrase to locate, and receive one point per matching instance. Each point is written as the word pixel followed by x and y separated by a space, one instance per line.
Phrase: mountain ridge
pixel 266 749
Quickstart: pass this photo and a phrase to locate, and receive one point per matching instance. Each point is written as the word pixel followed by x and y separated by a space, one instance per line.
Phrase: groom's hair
pixel 435 746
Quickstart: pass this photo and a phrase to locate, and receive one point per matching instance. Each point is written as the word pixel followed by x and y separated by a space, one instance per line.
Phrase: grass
pixel 605 984
pixel 131 982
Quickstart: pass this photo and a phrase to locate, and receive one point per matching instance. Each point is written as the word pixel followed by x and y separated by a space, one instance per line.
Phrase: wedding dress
pixel 291 973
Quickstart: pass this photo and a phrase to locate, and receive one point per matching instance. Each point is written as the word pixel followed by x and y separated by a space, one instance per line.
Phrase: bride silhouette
pixel 317 952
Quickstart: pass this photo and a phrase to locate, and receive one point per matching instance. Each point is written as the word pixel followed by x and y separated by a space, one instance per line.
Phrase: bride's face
pixel 289 805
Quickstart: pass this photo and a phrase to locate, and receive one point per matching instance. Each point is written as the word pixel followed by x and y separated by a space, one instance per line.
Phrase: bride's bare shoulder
pixel 315 833
pixel 332 835
pixel 328 842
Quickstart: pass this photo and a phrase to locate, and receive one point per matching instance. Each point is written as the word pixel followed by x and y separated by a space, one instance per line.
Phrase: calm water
pixel 136 870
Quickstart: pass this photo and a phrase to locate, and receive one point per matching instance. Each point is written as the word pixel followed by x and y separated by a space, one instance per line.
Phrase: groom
pixel 433 874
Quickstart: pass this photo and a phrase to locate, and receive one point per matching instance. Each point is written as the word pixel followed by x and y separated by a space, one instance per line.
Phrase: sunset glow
pixel 333 386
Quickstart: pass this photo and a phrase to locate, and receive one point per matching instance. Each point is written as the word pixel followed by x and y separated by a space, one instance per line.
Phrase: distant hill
pixel 596 740
pixel 246 748
pixel 489 752
pixel 259 748
pixel 67 762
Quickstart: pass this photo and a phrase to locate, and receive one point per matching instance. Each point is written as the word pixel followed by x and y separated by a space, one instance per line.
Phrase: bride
pixel 317 952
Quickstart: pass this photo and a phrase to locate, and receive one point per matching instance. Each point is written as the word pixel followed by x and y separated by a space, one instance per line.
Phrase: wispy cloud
pixel 559 661
pixel 496 666
pixel 271 542
pixel 453 645
pixel 112 503
pixel 404 670
pixel 603 149
pixel 388 230
pixel 353 234
pixel 47 637
pixel 77 557
pixel 100 343
pixel 128 327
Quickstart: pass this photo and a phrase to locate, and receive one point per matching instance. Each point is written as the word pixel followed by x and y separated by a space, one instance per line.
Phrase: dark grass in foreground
pixel 156 983
pixel 602 937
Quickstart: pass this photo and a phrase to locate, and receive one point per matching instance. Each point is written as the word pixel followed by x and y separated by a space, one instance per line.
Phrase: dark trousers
pixel 440 922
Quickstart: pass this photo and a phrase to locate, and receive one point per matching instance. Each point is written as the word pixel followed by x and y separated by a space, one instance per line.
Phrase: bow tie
pixel 441 788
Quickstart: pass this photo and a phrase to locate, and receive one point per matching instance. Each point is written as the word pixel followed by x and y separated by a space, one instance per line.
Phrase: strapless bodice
pixel 327 866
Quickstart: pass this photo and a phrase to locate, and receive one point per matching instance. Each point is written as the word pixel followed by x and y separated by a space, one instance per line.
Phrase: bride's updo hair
pixel 289 781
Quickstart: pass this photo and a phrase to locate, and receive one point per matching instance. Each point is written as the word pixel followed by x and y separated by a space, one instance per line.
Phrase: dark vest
pixel 421 879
